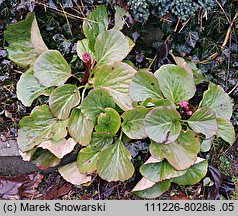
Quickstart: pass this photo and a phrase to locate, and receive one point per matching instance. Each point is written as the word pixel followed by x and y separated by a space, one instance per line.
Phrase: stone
pixel 8 148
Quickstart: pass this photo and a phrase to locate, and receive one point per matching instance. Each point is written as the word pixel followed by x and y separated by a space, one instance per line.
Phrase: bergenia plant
pixel 178 131
pixel 113 102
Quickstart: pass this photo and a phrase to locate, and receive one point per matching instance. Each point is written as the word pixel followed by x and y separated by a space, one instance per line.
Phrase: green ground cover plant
pixel 111 103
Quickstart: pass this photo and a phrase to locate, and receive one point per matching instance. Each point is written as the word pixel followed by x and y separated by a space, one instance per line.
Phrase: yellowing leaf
pixel 25 41
pixel 59 148
pixel 147 189
pixel 70 173
pixel 36 38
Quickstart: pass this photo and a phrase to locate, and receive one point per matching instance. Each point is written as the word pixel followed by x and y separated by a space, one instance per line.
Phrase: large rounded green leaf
pixel 96 22
pixel 108 122
pixel 144 85
pixel 162 124
pixel 159 171
pixel 22 53
pixel 101 141
pixel 175 82
pixel 181 154
pixel 39 127
pixel 226 130
pixel 96 102
pixel 87 159
pixel 133 123
pixel 116 78
pixel 59 148
pixel 28 88
pixel 25 42
pixel 150 190
pixel 204 121
pixel 218 100
pixel 194 174
pixel 20 31
pixel 83 47
pixel 70 173
pixel 51 69
pixel 80 127
pixel 63 99
pixel 114 163
pixel 111 46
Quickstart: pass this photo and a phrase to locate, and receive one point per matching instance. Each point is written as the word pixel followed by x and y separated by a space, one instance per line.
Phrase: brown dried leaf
pixel 20 186
pixel 55 191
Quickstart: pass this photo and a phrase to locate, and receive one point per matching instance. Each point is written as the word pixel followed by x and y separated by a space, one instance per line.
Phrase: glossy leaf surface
pixel 51 69
pixel 87 160
pixel 63 99
pixel 80 127
pixel 181 154
pixel 28 88
pixel 204 121
pixel 114 163
pixel 162 124
pixel 39 127
pixel 175 82
pixel 133 123
pixel 116 78
pixel 216 99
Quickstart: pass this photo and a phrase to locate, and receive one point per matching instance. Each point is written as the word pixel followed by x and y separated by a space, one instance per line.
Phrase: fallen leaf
pixel 29 189
pixel 55 191
pixel 223 184
pixel 20 186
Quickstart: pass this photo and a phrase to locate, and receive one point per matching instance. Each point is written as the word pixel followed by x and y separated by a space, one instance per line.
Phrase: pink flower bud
pixel 86 57
pixel 189 113
pixel 183 104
